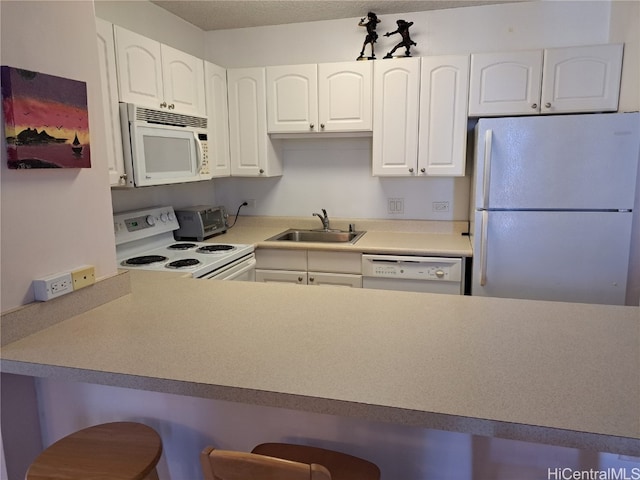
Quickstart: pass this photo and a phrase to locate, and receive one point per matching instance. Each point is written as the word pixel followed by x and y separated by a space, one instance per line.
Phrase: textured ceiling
pixel 224 14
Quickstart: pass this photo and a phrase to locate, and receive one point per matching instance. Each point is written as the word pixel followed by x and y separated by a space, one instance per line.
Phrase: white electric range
pixel 144 241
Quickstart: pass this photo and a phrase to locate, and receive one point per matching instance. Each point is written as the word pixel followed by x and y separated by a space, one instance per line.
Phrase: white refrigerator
pixel 552 206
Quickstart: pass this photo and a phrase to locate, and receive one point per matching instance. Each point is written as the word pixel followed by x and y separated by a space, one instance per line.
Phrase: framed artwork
pixel 46 121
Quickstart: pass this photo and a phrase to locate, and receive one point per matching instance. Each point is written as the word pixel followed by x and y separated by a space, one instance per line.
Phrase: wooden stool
pixel 341 465
pixel 118 451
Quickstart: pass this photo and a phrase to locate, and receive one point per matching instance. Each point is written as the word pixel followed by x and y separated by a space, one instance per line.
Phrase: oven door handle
pixel 234 271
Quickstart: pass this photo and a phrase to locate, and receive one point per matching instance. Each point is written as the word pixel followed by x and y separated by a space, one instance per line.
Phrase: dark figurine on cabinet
pixel 371 24
pixel 403 30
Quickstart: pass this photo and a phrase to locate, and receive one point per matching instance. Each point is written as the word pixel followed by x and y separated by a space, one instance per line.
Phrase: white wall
pixel 54 220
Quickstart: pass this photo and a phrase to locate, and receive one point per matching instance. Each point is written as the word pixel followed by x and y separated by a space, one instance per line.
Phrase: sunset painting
pixel 46 122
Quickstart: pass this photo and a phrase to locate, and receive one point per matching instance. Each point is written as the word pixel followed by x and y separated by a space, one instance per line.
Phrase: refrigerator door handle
pixel 483 247
pixel 486 178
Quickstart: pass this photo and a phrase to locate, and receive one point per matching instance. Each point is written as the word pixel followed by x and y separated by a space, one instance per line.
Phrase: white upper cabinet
pixel 218 119
pixel 557 80
pixel 345 96
pixel 331 97
pixel 253 153
pixel 292 99
pixel 107 62
pixel 396 88
pixel 505 83
pixel 581 79
pixel 158 76
pixel 444 85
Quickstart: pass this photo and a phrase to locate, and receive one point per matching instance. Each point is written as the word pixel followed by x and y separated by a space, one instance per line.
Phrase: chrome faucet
pixel 324 218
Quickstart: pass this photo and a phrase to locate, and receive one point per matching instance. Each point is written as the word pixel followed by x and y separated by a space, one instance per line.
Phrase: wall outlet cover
pixel 83 277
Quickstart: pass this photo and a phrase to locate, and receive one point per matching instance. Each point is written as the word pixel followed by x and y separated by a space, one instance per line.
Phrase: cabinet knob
pixel 312 279
pixel 423 170
pixel 300 279
pixel 411 170
pixel 312 126
pixel 261 171
pixel 534 106
pixel 163 105
pixel 322 125
pixel 547 105
pixel 123 177
pixel 172 106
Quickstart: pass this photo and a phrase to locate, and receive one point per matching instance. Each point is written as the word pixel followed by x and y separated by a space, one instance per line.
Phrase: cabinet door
pixel 444 83
pixel 218 119
pixel 183 80
pixel 396 87
pixel 505 83
pixel 335 279
pixel 281 276
pixel 345 96
pixel 107 62
pixel 581 79
pixel 253 153
pixel 292 98
pixel 139 69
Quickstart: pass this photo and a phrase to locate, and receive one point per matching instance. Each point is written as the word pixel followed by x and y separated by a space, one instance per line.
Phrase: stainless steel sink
pixel 317 236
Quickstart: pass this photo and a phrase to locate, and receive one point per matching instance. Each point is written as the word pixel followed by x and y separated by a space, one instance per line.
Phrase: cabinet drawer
pixel 277 259
pixel 335 262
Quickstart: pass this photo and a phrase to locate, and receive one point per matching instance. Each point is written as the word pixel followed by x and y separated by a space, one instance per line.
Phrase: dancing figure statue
pixel 371 23
pixel 403 30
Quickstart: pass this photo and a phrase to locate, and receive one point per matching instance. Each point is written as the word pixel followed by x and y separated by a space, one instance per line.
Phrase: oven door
pixel 243 269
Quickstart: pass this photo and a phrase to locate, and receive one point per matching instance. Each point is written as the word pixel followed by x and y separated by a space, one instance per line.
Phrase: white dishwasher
pixel 413 274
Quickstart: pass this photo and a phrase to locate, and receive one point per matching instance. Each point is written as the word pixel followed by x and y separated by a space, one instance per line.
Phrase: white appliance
pixel 552 201
pixel 144 241
pixel 162 147
pixel 413 274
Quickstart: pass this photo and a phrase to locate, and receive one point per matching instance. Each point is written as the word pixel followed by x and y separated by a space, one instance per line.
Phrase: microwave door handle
pixel 199 147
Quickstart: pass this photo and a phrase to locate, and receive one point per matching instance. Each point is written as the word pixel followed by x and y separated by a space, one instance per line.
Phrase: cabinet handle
pixel 312 279
pixel 261 171
pixel 172 106
pixel 411 170
pixel 423 170
pixel 300 279
pixel 312 126
pixel 322 126
pixel 163 104
pixel 534 106
pixel 547 105
pixel 123 177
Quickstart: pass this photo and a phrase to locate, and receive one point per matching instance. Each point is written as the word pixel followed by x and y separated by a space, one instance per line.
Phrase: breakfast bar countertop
pixel 547 372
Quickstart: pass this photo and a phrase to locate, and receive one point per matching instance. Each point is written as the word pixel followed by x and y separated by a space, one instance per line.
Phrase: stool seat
pixel 341 465
pixel 117 451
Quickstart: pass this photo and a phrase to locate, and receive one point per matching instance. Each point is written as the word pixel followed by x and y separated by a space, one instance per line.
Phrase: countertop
pixel 389 237
pixel 548 372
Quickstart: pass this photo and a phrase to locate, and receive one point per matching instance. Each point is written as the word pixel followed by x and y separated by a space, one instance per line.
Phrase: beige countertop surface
pixel 390 237
pixel 548 372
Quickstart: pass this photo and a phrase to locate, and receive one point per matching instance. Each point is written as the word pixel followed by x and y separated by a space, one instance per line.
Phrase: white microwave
pixel 162 147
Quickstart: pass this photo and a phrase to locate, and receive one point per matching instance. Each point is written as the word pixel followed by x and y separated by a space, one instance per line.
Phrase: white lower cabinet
pixel 302 267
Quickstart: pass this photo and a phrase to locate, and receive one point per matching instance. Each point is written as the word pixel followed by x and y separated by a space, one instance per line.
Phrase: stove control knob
pixel 164 217
pixel 171 216
pixel 151 221
pixel 440 273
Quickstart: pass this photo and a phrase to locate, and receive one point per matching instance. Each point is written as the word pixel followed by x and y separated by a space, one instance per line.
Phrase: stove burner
pixel 144 260
pixel 215 248
pixel 183 263
pixel 181 246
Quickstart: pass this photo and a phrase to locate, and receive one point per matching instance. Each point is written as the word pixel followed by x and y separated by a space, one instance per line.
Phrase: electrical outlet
pixel 395 205
pixel 83 277
pixel 440 207
pixel 52 286
pixel 251 203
